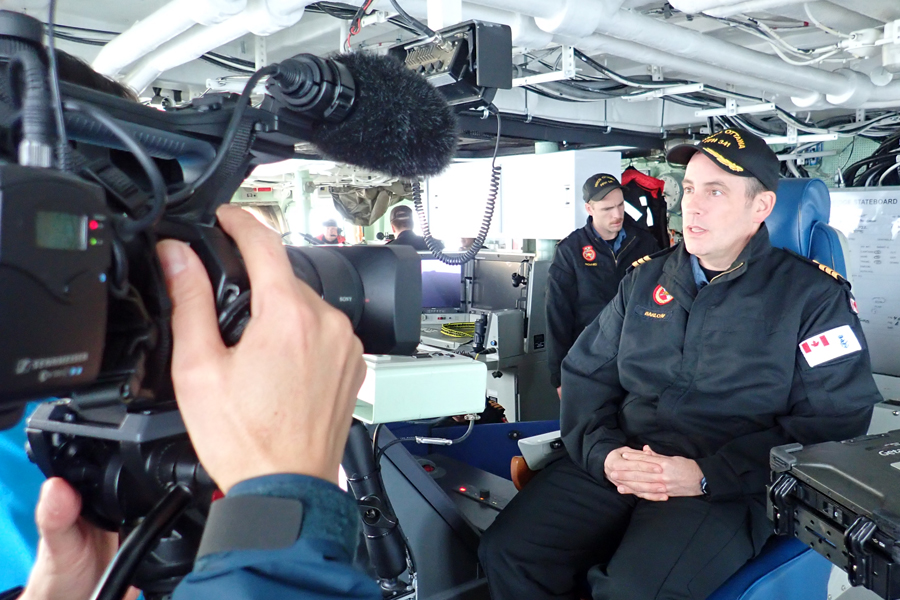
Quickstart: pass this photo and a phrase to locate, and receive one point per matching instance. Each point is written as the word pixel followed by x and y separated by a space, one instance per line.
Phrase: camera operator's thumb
pixel 72 553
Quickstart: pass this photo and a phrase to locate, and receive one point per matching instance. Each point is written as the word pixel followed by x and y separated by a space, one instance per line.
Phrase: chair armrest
pixel 541 450
pixel 520 472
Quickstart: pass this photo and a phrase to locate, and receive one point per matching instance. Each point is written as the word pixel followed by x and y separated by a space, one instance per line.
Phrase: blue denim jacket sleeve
pixel 317 567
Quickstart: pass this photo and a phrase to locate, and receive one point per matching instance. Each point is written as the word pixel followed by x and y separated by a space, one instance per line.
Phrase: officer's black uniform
pixel 723 380
pixel 584 277
pixel 408 238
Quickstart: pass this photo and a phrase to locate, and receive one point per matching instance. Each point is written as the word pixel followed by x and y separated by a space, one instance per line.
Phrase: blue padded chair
pixel 800 223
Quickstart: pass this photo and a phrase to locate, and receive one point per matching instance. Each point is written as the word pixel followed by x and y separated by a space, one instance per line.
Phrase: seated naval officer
pixel 588 266
pixel 711 353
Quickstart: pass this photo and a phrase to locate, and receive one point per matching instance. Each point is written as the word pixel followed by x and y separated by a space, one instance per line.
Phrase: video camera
pixel 84 312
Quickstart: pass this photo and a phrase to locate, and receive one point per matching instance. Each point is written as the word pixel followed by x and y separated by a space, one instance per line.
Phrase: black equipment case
pixel 843 500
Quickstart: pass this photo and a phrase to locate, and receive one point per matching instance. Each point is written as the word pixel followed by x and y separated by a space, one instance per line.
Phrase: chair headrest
pixel 801 203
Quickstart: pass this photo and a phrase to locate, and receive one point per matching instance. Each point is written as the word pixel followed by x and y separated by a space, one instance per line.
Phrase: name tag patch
pixel 832 344
pixel 651 313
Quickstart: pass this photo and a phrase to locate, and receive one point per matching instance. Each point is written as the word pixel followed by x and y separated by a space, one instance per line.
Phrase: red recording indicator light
pixel 462 489
pixel 93 225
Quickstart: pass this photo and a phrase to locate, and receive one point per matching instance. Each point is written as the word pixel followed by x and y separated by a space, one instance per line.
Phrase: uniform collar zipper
pixel 621 251
pixel 727 272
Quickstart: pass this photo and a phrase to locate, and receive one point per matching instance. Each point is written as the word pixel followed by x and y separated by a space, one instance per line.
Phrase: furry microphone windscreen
pixel 400 124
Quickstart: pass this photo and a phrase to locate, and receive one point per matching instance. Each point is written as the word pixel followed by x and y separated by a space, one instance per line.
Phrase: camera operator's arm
pixel 269 420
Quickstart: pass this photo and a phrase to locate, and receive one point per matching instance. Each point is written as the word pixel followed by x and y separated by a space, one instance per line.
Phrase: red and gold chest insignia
pixel 589 253
pixel 661 296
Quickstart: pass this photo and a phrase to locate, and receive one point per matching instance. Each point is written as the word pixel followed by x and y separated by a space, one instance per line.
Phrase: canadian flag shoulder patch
pixel 829 345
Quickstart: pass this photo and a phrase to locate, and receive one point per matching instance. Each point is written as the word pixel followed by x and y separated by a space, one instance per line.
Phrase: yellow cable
pixel 458 330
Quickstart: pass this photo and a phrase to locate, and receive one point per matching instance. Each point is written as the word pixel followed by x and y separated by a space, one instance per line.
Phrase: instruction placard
pixel 870 219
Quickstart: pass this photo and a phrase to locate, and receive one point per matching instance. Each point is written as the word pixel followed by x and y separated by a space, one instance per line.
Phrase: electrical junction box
pixel 427 385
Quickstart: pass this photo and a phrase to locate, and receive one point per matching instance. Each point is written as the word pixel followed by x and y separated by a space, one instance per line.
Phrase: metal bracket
pixel 656 72
pixel 731 109
pixel 806 155
pixel 791 134
pixel 260 57
pixel 859 559
pixel 860 115
pixel 782 510
pixel 800 139
pixel 567 70
pixel 690 88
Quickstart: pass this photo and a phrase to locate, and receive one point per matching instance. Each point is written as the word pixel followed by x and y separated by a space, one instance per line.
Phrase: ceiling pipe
pixel 736 8
pixel 693 7
pixel 843 88
pixel 881 10
pixel 149 33
pixel 261 17
pixel 703 72
pixel 830 15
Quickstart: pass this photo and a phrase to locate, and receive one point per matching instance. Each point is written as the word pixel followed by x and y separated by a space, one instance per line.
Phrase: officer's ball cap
pixel 329 223
pixel 598 186
pixel 735 151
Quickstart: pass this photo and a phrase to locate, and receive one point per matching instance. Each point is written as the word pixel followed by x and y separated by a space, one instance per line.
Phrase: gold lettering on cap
pixel 717 138
pixel 724 161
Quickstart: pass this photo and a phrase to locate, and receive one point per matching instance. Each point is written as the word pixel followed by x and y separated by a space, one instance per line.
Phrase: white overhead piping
pixel 704 72
pixel 159 27
pixel 261 17
pixel 829 14
pixel 719 8
pixel 881 10
pixel 746 6
pixel 844 88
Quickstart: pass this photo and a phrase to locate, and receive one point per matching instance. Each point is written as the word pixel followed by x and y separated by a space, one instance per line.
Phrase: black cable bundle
pixel 881 168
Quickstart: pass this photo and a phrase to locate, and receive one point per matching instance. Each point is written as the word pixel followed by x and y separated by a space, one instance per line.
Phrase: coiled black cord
pixel 461 259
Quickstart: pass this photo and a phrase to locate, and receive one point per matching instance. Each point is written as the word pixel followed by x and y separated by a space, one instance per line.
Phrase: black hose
pixel 62 143
pixel 118 575
pixel 228 139
pixel 35 109
pixel 128 227
pixel 421 27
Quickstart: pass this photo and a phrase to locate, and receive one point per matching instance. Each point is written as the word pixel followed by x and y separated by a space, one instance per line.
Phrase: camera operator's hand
pixel 72 553
pixel 281 400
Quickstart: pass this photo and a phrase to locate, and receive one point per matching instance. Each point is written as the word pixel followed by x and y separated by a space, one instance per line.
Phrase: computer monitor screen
pixel 441 286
